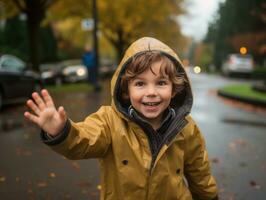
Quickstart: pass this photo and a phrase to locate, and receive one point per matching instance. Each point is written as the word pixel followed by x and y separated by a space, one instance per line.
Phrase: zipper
pixel 180 125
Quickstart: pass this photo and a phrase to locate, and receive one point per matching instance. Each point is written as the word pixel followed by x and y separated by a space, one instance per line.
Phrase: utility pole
pixel 95 38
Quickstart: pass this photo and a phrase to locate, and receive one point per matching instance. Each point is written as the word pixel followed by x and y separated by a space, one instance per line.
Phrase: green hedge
pixel 244 90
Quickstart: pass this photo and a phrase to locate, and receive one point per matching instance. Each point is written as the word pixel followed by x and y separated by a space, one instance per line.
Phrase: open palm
pixel 45 115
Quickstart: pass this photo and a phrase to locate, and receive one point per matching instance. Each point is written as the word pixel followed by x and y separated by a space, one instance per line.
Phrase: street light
pixel 243 50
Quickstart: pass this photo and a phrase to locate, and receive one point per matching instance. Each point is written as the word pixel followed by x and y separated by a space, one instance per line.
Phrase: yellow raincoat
pixel 179 169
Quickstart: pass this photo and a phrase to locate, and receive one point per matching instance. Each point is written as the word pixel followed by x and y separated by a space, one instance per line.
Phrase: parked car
pixel 68 71
pixel 17 81
pixel 51 74
pixel 73 71
pixel 238 64
pixel 107 68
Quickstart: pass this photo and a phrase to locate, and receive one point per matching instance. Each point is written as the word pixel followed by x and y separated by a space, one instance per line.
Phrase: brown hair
pixel 144 61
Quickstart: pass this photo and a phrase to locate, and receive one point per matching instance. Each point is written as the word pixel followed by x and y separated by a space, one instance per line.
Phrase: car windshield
pixel 238 58
pixel 70 63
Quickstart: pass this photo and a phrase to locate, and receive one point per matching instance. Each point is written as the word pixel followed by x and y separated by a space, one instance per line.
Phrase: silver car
pixel 73 71
pixel 238 64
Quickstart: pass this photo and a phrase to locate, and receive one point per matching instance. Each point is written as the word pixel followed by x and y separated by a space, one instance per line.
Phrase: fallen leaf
pixel 221 190
pixel 27 153
pixel 67 196
pixel 52 175
pixel 29 190
pixel 24 152
pixel 84 184
pixel 75 165
pixel 84 191
pixel 242 164
pixel 26 136
pixel 42 184
pixel 2 179
pixel 215 160
pixel 232 146
pixel 94 194
pixel 240 142
pixel 231 198
pixel 255 185
pixel 236 144
pixel 263 166
pixel 18 151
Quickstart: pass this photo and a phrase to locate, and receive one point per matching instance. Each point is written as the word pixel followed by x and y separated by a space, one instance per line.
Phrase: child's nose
pixel 151 90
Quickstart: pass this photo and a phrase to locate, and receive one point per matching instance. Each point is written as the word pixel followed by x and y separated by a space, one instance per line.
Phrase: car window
pixel 243 59
pixel 13 64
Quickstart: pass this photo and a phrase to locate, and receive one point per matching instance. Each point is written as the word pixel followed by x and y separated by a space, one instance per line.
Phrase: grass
pixel 75 87
pixel 244 90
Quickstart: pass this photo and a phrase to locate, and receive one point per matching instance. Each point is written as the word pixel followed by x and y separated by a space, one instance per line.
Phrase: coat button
pixel 177 171
pixel 125 162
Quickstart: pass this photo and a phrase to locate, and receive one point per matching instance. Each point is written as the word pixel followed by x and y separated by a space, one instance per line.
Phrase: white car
pixel 73 71
pixel 238 64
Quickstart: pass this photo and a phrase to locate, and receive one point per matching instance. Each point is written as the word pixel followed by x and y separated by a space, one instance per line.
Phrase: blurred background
pixel 43 44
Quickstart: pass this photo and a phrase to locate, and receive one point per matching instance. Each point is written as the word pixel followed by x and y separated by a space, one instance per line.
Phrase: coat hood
pixel 181 103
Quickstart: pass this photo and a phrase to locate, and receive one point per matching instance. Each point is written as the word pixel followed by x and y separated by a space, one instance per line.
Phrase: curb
pixel 251 101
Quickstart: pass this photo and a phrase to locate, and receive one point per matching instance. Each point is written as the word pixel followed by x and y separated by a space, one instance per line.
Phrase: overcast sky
pixel 200 13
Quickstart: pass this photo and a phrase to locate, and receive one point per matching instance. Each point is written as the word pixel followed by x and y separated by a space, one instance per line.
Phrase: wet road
pixel 30 170
pixel 234 137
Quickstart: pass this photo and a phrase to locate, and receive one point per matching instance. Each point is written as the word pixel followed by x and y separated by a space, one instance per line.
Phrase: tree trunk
pixel 35 11
pixel 120 45
pixel 34 36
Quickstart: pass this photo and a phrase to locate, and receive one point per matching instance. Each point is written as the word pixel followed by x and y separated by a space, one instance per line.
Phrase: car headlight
pixel 81 72
pixel 197 69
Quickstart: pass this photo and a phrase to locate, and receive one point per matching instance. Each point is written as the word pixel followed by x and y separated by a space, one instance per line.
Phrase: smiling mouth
pixel 151 103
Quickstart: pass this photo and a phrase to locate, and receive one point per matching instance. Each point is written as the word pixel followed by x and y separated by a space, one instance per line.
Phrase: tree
pixel 238 20
pixel 123 21
pixel 128 20
pixel 35 11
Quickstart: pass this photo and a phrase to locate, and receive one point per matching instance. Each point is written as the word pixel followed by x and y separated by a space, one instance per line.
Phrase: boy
pixel 148 145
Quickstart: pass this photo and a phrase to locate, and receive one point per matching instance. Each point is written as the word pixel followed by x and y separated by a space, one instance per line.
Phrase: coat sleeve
pixel 88 139
pixel 197 167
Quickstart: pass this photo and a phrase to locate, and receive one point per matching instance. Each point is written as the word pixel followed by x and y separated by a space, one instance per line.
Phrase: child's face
pixel 150 94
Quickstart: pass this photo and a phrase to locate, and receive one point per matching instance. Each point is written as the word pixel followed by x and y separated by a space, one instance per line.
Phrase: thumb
pixel 62 113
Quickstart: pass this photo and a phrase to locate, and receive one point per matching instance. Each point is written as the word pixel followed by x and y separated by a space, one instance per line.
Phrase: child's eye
pixel 139 83
pixel 162 82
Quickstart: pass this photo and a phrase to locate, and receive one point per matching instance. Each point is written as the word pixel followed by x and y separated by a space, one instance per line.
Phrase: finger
pixel 41 105
pixel 62 113
pixel 47 98
pixel 33 107
pixel 31 117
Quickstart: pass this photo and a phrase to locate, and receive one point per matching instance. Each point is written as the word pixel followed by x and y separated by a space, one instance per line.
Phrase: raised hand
pixel 45 114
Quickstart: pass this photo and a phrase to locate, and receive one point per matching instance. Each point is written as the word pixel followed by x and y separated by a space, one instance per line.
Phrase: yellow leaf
pixel 2 179
pixel 52 175
pixel 42 184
